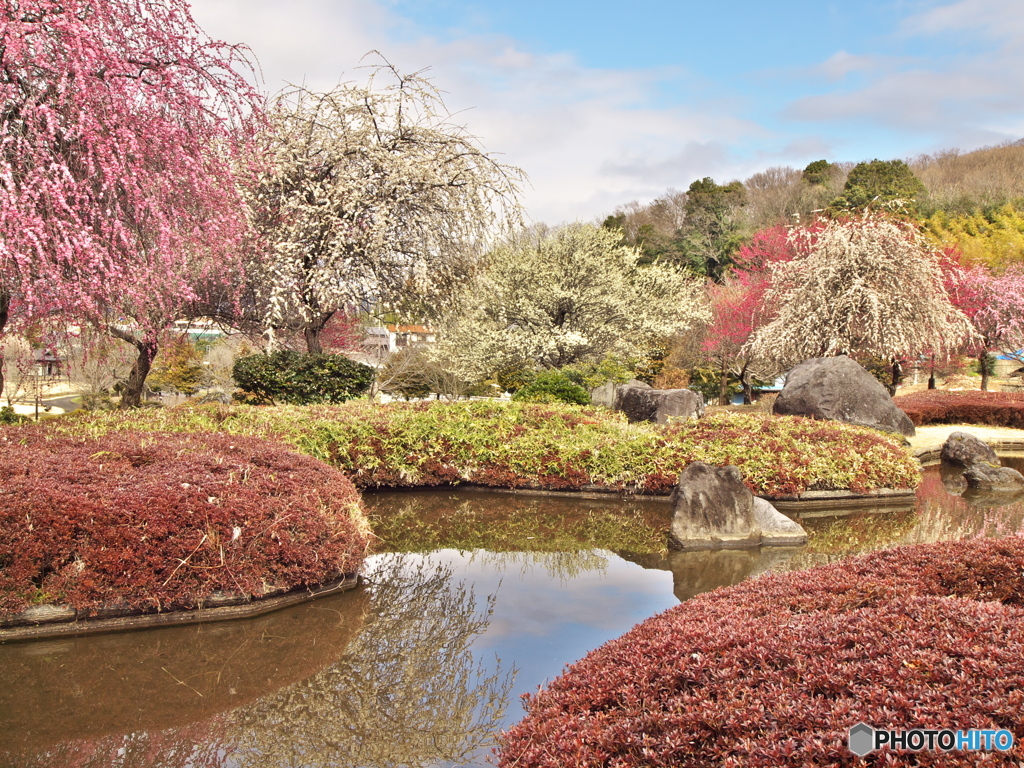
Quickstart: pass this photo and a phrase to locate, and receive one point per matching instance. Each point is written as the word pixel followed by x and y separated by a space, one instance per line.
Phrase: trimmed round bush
pixel 154 521
pixel 295 379
pixel 552 387
pixel 774 671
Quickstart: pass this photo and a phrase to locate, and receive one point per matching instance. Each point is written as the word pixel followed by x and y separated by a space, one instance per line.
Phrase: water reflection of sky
pixel 543 618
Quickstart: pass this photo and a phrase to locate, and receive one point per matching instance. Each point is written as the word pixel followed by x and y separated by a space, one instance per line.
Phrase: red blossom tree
pixel 994 303
pixel 115 173
pixel 737 306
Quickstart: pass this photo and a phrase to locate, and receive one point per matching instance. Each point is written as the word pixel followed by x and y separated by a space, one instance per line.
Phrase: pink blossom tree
pixel 737 306
pixel 115 172
pixel 994 303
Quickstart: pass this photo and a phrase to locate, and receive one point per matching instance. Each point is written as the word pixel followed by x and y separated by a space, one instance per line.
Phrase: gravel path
pixel 931 437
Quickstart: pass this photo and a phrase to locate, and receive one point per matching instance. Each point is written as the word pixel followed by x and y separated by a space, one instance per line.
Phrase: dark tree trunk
pixel 131 397
pixel 312 331
pixel 897 376
pixel 5 313
pixel 748 389
pixel 983 367
pixel 931 378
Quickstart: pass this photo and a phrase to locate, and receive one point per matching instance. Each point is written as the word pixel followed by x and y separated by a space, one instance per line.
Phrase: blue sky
pixel 602 104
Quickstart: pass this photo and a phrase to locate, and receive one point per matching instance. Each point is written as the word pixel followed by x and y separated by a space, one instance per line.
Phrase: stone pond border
pixel 826 503
pixel 49 621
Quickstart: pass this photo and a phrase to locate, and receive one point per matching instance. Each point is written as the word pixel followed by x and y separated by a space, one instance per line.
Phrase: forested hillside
pixel 971 200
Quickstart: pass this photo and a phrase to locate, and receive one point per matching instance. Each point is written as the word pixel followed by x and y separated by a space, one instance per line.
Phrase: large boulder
pixel 604 395
pixel 964 450
pixel 641 403
pixel 838 389
pixel 985 477
pixel 713 509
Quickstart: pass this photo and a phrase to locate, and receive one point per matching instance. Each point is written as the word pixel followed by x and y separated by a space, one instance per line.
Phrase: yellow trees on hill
pixel 994 238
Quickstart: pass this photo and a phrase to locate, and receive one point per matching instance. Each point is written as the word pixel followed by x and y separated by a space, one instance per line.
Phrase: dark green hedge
pixel 291 378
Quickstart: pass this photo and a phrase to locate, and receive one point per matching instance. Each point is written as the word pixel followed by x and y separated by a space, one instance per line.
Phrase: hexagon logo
pixel 862 739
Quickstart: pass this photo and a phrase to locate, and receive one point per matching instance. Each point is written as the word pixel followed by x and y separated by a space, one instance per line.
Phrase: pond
pixel 477 599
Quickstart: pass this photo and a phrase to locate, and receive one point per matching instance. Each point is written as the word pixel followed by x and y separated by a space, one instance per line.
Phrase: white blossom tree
pixel 552 298
pixel 368 196
pixel 868 284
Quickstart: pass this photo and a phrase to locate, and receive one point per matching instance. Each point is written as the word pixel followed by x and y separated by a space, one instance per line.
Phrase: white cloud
pixel 589 139
pixel 997 19
pixel 965 93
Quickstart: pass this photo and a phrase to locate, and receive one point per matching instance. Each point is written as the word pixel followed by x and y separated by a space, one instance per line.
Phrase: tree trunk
pixel 897 376
pixel 931 378
pixel 131 397
pixel 723 386
pixel 313 345
pixel 311 333
pixel 5 313
pixel 983 367
pixel 748 389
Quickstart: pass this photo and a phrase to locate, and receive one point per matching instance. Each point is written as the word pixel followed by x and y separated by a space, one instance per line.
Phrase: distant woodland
pixel 973 201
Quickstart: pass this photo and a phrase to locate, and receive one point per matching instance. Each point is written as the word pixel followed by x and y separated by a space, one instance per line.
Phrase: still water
pixel 473 600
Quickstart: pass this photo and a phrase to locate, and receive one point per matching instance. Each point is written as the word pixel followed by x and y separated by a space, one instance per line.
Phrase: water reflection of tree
pixel 192 746
pixel 407 692
pixel 564 566
pixel 471 520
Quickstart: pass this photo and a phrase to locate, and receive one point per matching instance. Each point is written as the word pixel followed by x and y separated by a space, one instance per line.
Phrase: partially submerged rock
pixel 838 389
pixel 642 403
pixel 964 450
pixel 713 509
pixel 985 477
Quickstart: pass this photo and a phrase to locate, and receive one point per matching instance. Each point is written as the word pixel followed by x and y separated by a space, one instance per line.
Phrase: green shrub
pixel 556 446
pixel 295 379
pixel 554 387
pixel 8 416
pixel 515 377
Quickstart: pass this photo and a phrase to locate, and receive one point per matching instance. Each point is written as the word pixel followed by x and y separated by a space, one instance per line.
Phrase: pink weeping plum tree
pixel 993 300
pixel 118 122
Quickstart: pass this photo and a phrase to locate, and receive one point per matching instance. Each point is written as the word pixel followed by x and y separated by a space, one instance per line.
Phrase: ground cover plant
pixel 154 522
pixel 549 446
pixel 775 670
pixel 936 406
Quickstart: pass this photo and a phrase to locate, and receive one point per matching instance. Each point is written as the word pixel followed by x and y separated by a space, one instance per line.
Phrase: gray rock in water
pixel 713 509
pixel 964 450
pixel 838 389
pixel 985 477
pixel 776 529
pixel 658 405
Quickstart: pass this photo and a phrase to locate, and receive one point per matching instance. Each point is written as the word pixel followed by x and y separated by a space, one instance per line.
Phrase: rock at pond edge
pixel 962 449
pixel 713 509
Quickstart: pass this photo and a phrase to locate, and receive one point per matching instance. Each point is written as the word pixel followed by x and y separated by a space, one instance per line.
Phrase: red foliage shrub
pixel 774 671
pixel 158 521
pixel 935 406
